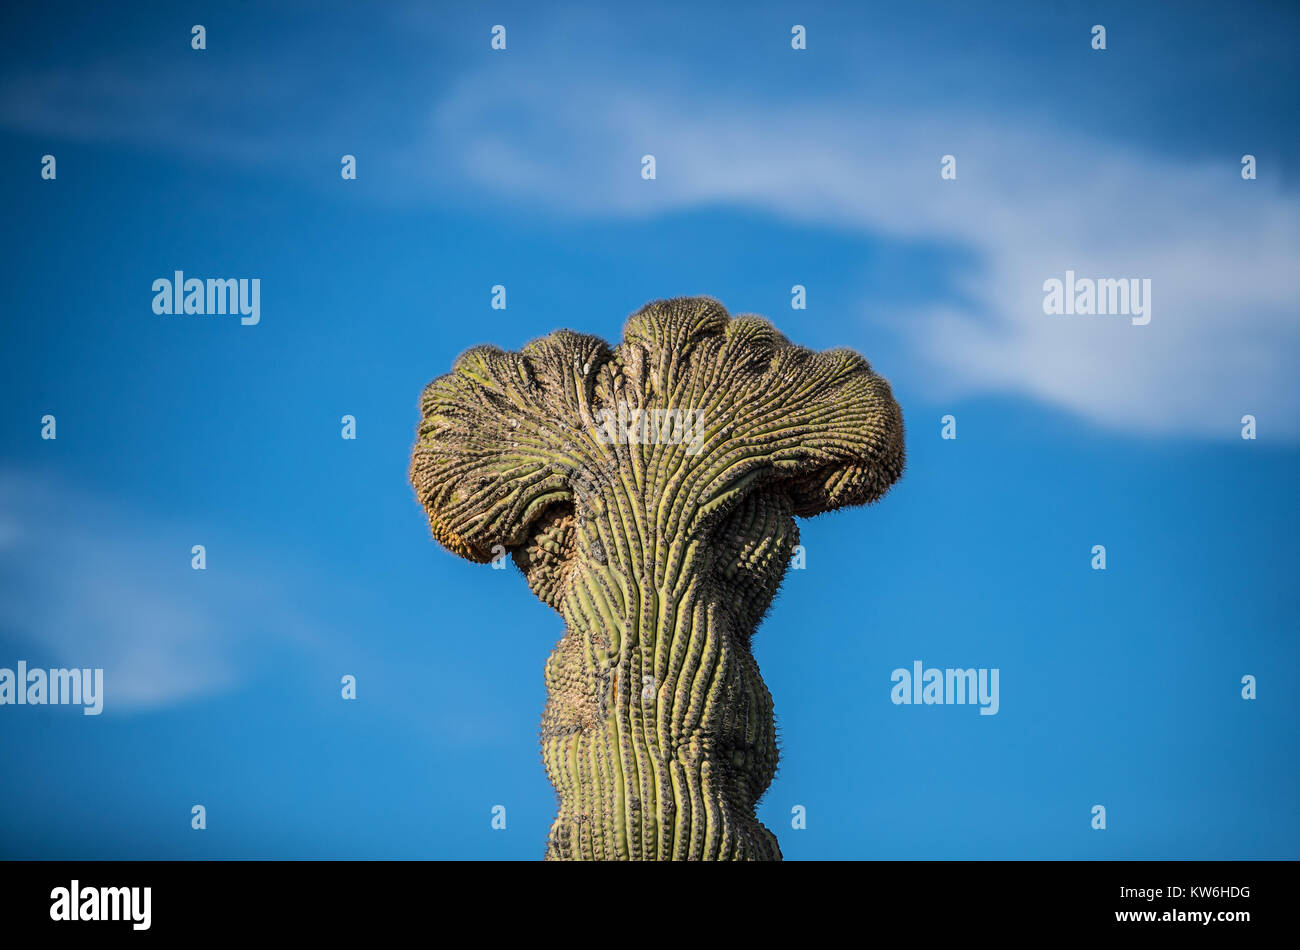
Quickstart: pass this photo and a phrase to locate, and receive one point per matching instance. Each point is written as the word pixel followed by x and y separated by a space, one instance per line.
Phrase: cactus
pixel 661 542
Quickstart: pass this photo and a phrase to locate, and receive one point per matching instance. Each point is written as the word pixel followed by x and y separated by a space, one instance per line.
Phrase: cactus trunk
pixel 658 733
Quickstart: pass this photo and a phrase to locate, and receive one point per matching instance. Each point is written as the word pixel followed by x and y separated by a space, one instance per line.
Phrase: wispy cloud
pixel 1034 197
pixel 1028 204
pixel 84 583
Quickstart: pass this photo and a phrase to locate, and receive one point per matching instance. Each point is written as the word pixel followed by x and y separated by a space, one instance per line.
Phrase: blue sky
pixel 774 168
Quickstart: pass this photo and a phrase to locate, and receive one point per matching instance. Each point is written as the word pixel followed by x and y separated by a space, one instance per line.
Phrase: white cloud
pixel 83 584
pixel 1028 204
pixel 1033 198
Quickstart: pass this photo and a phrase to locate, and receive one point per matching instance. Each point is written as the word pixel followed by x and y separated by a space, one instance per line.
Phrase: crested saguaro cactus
pixel 648 493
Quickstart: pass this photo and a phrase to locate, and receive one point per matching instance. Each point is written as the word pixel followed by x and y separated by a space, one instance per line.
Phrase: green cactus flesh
pixel 661 553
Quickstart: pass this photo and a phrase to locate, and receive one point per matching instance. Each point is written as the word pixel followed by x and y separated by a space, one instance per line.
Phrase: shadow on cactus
pixel 649 493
